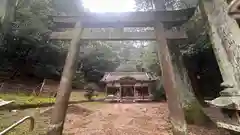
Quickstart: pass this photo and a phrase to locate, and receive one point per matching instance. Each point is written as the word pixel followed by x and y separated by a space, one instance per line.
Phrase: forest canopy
pixel 26 49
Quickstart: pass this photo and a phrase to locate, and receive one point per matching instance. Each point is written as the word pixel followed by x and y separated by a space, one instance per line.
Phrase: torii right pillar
pixel 176 112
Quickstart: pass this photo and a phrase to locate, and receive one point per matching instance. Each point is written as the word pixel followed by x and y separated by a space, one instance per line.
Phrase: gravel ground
pixel 126 119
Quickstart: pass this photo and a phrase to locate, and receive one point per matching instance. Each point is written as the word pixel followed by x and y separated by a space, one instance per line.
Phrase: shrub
pixel 90 94
pixel 159 93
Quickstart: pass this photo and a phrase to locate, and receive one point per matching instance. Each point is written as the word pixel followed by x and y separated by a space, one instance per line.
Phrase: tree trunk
pixel 64 91
pixel 7 14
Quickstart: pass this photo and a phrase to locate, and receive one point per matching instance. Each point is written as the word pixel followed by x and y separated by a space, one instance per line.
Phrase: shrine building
pixel 122 86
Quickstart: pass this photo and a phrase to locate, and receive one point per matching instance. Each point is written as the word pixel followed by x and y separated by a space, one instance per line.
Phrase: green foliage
pixel 150 59
pixel 200 60
pixel 126 67
pixel 8 118
pixel 78 80
pixel 32 19
pixel 159 93
pixel 198 38
pixel 143 5
pixel 137 56
pixel 194 114
pixel 64 7
pixel 26 49
pixel 97 58
pixel 21 99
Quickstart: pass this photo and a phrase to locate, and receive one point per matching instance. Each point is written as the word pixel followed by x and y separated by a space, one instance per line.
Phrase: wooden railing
pixel 4 132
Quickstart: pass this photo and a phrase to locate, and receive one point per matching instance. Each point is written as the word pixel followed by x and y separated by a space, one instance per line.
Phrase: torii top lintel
pixel 127 19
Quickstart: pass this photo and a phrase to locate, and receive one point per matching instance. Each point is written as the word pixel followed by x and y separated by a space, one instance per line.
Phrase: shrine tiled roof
pixel 139 76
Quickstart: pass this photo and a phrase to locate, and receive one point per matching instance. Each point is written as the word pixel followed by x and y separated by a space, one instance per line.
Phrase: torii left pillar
pixel 65 87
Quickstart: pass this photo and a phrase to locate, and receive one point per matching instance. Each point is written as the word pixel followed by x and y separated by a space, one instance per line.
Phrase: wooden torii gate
pixel 161 20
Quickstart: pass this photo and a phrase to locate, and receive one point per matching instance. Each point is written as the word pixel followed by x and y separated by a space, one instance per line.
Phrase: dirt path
pixel 126 119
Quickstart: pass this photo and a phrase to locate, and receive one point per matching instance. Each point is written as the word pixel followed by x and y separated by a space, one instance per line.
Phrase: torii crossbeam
pixel 88 34
pixel 128 19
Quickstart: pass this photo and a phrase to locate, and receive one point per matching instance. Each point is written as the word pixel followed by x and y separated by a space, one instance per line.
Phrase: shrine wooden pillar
pixel 106 91
pixel 65 87
pixel 134 93
pixel 149 90
pixel 120 90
